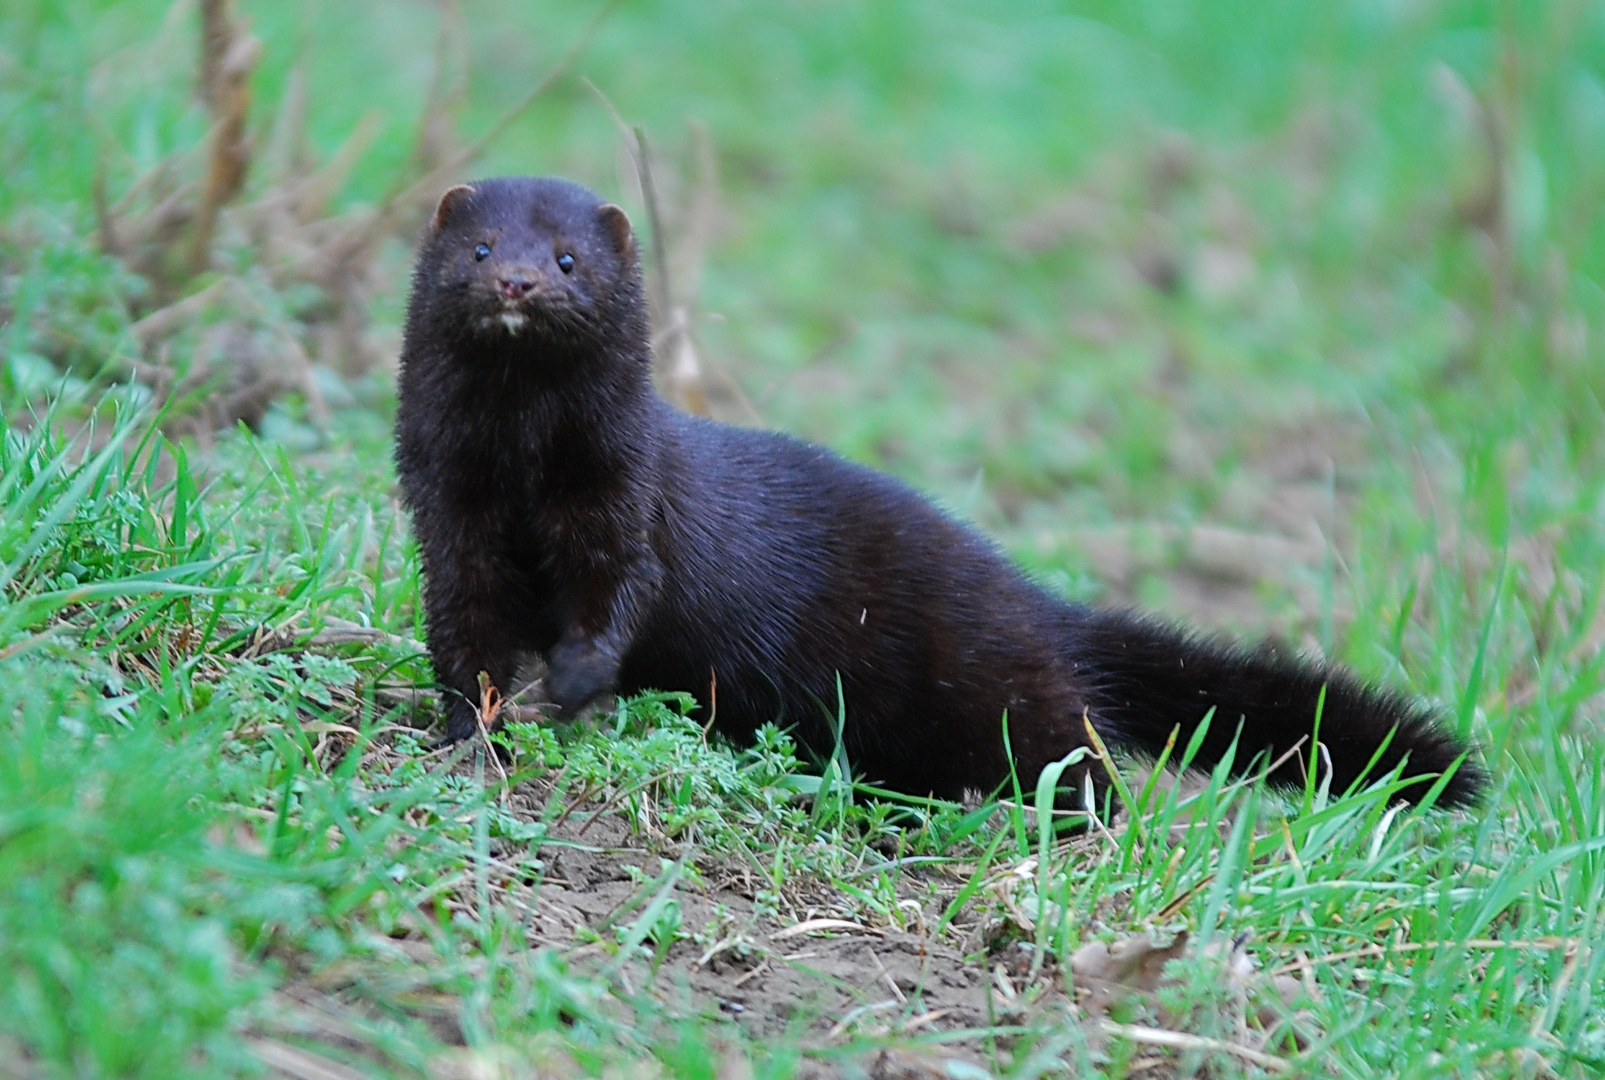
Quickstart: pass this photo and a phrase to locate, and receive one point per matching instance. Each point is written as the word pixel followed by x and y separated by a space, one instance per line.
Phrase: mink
pixel 562 508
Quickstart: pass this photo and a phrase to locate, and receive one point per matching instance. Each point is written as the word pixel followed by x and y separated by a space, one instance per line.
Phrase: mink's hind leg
pixel 1048 723
pixel 1082 787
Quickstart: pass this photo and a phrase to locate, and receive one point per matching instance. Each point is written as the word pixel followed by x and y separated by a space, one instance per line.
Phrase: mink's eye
pixel 481 252
pixel 565 263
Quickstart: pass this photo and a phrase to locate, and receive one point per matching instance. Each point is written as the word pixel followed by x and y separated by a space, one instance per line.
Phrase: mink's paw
pixel 462 725
pixel 462 719
pixel 577 673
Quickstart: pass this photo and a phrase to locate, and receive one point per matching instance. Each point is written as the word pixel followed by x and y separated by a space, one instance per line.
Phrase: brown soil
pixel 818 972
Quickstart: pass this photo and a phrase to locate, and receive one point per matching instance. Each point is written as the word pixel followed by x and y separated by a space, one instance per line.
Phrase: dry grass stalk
pixel 674 266
pixel 682 376
pixel 228 56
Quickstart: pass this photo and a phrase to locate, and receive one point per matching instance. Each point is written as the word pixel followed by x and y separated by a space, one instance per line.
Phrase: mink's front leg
pixel 615 578
pixel 579 671
pixel 466 601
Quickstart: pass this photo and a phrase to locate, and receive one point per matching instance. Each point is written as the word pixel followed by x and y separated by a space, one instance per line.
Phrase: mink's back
pixel 786 566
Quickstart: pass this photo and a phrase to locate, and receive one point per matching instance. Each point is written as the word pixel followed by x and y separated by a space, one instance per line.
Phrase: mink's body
pixel 563 508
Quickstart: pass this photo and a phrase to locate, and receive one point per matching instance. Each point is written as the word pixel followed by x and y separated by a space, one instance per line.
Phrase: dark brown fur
pixel 563 508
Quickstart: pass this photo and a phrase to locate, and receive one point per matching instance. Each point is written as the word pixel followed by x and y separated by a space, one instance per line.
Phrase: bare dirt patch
pixel 808 963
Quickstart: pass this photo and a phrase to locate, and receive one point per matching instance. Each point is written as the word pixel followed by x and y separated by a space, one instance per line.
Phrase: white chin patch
pixel 514 321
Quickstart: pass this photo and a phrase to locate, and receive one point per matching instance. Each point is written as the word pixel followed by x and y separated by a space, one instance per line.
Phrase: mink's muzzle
pixel 521 284
pixel 511 299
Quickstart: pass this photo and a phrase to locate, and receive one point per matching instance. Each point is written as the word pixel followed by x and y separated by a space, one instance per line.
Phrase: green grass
pixel 939 232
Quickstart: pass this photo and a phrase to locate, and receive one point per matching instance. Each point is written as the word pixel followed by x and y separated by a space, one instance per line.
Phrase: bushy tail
pixel 1151 678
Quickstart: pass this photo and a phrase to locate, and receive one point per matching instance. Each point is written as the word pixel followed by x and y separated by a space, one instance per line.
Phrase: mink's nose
pixel 515 287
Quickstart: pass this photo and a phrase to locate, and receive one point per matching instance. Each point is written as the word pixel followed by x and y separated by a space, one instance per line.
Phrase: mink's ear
pixel 618 227
pixel 449 204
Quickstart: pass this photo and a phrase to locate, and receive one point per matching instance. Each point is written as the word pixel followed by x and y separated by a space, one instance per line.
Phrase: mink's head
pixel 531 259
